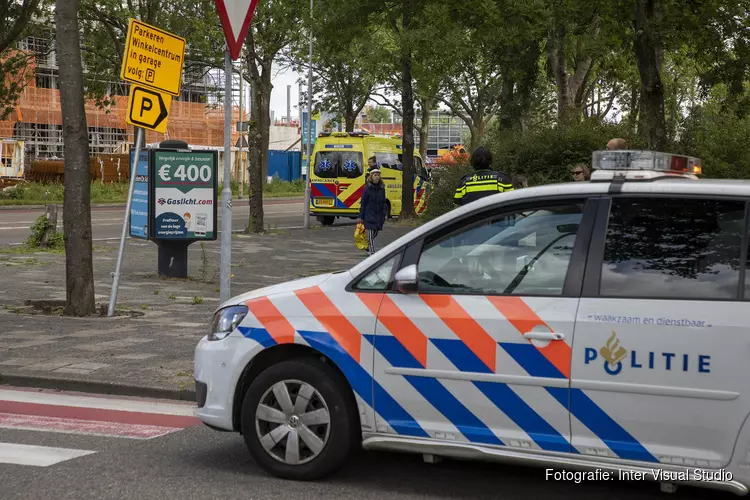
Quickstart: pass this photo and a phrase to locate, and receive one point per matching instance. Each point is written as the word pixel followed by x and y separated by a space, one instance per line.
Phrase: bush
pixel 444 183
pixel 38 230
pixel 279 187
pixel 719 139
pixel 546 156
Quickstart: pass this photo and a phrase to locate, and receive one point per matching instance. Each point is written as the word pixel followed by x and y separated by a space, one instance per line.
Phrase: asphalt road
pixel 190 461
pixel 107 221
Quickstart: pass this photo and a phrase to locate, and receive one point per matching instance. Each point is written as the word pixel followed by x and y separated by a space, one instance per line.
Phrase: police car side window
pixel 525 252
pixel 379 279
pixel 673 248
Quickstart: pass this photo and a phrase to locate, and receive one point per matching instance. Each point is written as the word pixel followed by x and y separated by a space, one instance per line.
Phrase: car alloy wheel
pixel 292 422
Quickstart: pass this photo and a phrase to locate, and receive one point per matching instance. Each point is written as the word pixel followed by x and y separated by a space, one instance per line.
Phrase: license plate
pixel 324 202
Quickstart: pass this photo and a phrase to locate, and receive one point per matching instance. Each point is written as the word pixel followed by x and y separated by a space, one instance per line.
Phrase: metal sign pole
pixel 241 171
pixel 139 132
pixel 226 193
pixel 309 128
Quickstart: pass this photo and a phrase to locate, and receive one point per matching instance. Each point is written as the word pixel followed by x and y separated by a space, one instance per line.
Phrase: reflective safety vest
pixel 480 184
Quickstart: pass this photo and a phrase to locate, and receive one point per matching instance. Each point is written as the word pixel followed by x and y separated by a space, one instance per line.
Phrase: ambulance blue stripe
pixel 364 385
pixel 531 360
pixel 504 398
pixel 323 188
pixel 434 392
pixel 580 405
pixel 461 356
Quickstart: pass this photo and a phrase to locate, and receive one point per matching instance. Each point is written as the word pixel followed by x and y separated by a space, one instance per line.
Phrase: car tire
pixel 268 440
pixel 328 220
pixel 389 215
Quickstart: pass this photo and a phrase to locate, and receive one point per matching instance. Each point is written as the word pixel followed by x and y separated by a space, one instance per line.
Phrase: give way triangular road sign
pixel 235 16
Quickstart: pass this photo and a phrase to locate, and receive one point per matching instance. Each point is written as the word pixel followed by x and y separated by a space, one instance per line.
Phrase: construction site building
pixel 196 116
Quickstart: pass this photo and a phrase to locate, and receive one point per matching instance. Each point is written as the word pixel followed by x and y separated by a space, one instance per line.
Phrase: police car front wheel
pixel 296 420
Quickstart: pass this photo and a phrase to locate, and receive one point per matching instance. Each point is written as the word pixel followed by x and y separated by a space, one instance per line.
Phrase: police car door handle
pixel 543 336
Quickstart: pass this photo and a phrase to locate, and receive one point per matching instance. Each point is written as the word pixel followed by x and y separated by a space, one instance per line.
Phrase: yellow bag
pixel 360 237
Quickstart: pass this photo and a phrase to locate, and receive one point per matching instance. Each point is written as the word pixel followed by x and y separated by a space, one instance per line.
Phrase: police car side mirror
pixel 406 280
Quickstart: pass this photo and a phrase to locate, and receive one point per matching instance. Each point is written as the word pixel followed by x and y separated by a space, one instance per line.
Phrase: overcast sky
pixel 278 95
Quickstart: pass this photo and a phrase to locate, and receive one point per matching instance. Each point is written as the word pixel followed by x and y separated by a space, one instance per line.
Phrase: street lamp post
pixel 309 125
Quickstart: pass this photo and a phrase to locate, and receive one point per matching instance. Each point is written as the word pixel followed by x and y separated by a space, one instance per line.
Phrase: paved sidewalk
pixel 149 350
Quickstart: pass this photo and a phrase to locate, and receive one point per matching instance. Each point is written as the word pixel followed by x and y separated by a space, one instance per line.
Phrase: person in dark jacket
pixel 373 207
pixel 484 181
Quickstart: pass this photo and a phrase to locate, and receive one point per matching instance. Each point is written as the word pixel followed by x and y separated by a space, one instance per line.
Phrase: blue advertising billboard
pixel 139 207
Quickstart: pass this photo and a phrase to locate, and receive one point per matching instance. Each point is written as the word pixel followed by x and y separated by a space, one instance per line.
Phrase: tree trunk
pixel 479 127
pixel 407 99
pixel 653 121
pixel 79 268
pixel 424 131
pixel 507 105
pixel 265 113
pixel 351 119
pixel 570 88
pixel 473 141
pixel 635 100
pixel 255 164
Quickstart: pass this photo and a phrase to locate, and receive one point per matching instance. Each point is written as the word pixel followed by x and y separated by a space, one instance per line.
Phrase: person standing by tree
pixel 372 207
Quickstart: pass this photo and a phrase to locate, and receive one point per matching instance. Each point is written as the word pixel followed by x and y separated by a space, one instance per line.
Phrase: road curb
pixel 115 389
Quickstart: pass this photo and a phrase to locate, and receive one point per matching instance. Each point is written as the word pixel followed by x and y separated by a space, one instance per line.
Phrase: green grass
pixel 26 249
pixel 38 193
pixel 274 189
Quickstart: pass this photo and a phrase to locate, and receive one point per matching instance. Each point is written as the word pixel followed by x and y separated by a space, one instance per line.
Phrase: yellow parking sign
pixel 148 108
pixel 153 58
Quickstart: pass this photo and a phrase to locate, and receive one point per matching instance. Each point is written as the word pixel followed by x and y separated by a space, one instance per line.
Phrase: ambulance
pixel 597 330
pixel 339 173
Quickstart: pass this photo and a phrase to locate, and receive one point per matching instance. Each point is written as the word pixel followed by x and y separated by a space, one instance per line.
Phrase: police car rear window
pixel 333 164
pixel 673 248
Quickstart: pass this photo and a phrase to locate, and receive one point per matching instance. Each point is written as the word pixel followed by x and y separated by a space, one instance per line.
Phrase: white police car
pixel 591 326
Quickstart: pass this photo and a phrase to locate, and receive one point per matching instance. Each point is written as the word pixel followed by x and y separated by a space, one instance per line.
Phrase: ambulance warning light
pixel 627 160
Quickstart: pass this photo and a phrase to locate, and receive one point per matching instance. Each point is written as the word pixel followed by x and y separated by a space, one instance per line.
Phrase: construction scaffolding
pixel 196 116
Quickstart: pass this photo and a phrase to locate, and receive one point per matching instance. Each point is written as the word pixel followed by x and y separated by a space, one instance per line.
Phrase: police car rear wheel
pixel 296 420
pixel 328 220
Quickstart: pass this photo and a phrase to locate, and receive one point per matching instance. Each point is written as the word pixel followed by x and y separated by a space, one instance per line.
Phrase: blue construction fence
pixel 286 164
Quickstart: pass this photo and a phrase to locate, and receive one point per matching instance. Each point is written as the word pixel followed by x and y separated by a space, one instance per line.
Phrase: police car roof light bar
pixel 646 160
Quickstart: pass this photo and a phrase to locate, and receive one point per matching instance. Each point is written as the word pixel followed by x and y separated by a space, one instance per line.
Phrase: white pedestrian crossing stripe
pixel 39 456
pixel 91 415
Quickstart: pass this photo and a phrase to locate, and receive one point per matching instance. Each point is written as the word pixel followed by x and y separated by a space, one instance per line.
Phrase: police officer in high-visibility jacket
pixel 484 181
